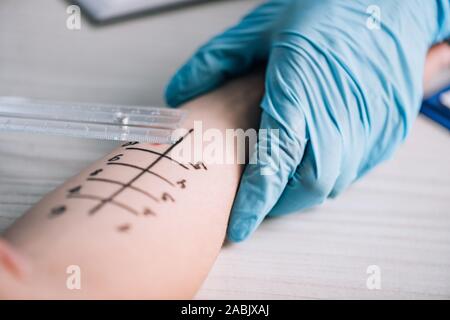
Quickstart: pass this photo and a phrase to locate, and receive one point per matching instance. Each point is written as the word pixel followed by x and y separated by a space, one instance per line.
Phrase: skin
pixel 165 255
pixel 438 59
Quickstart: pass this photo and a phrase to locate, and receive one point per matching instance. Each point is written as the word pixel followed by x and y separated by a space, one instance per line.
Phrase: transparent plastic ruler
pixel 89 120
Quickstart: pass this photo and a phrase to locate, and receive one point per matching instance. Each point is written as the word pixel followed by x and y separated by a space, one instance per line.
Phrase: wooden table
pixel 397 218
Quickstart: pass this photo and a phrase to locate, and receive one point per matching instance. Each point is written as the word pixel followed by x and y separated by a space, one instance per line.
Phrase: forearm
pixel 138 224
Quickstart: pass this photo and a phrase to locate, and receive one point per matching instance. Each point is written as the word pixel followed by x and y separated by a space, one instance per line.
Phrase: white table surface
pixel 397 218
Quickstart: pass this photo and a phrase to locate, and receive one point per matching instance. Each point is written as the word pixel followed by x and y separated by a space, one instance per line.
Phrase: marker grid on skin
pixel 128 185
pixel 75 192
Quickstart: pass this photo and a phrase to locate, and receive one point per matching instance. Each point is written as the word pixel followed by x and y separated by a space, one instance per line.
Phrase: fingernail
pixel 241 229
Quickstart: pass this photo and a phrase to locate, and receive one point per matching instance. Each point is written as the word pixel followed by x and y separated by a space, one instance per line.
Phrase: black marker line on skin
pixel 115 194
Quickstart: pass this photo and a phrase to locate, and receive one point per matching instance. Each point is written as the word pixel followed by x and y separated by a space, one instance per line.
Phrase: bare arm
pixel 138 223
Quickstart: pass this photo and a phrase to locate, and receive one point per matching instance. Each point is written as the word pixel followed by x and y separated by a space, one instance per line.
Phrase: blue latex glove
pixel 343 93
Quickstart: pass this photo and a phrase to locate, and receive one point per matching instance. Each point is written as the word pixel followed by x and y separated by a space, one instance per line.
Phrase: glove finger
pixel 316 174
pixel 227 55
pixel 264 178
pixel 313 180
pixel 282 110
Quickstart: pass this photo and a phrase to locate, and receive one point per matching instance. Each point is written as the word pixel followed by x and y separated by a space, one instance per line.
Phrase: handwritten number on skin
pixel 198 165
pixel 116 158
pixel 96 172
pixel 57 211
pixel 124 227
pixel 149 212
pixel 75 190
pixel 130 143
pixel 182 183
pixel 167 197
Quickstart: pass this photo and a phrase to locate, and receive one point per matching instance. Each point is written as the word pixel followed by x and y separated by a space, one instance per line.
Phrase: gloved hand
pixel 342 92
